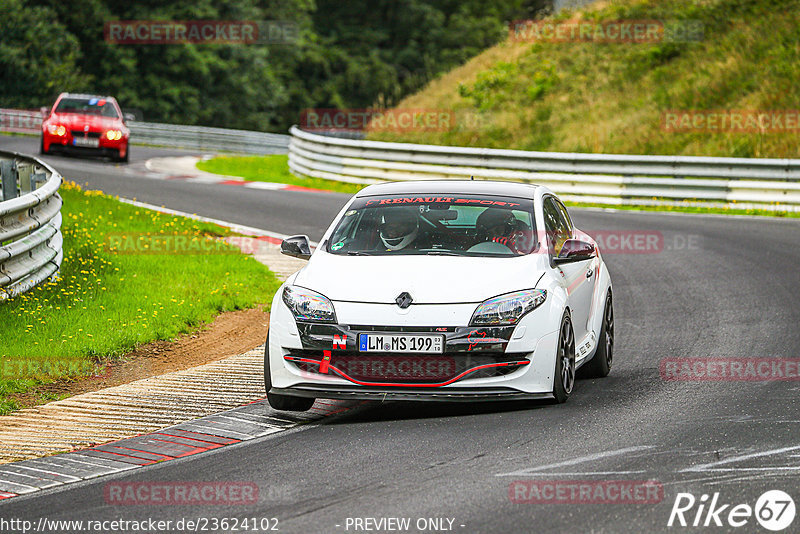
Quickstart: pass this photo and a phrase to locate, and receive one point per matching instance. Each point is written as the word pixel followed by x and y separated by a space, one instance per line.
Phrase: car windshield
pixel 450 225
pixel 87 106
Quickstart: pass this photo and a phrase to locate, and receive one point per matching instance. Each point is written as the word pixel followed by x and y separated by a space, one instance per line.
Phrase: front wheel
pixel 282 402
pixel 564 378
pixel 41 147
pixel 123 159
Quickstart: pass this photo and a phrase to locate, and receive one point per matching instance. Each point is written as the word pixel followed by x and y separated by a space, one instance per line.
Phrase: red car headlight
pixel 57 129
pixel 115 135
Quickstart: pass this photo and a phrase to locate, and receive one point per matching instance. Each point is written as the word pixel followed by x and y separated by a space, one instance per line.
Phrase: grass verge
pixel 273 168
pixel 111 297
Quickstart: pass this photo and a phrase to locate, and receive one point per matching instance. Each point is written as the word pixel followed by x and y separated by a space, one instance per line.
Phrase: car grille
pixel 90 135
pixel 401 369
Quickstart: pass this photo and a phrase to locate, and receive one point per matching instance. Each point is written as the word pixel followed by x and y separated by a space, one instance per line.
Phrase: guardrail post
pixel 8 176
pixel 24 178
pixel 36 179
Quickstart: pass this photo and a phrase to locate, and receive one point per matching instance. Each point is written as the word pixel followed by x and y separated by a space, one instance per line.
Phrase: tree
pixel 38 56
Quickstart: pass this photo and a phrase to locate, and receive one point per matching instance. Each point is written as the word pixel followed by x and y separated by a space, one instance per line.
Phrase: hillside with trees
pixel 738 65
pixel 351 54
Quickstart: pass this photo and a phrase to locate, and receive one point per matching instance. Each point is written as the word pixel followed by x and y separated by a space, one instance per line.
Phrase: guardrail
pixel 594 178
pixel 172 135
pixel 30 224
pixel 205 138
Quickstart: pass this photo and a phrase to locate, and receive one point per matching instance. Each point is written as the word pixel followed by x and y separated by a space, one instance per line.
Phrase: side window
pixel 565 216
pixel 557 226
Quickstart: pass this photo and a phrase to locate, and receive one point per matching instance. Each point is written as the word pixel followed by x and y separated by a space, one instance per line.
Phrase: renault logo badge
pixel 404 300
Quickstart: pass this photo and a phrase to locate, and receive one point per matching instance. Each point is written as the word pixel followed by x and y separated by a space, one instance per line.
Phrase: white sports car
pixel 441 290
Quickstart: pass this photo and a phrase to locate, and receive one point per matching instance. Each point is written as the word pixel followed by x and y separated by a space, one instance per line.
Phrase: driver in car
pixel 500 226
pixel 401 229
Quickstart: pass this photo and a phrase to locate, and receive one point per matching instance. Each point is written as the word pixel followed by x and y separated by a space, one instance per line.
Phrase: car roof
pixel 455 187
pixel 81 95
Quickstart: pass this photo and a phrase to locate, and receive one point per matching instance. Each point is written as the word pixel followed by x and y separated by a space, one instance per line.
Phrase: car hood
pixel 75 121
pixel 429 279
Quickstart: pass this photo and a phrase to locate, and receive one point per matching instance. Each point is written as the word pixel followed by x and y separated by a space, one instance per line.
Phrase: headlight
pixel 307 305
pixel 114 135
pixel 56 129
pixel 507 309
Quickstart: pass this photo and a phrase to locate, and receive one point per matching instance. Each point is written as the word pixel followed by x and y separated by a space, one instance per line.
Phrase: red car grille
pixel 90 135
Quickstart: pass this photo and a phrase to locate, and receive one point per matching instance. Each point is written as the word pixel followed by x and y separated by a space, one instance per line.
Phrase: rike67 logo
pixel 774 510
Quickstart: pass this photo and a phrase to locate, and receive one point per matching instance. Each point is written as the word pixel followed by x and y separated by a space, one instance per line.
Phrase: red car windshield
pixel 87 106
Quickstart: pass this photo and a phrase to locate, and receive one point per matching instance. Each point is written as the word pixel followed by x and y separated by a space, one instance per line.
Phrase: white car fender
pixel 598 304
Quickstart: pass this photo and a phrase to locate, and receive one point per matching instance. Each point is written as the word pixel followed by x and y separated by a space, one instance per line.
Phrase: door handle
pixel 589 273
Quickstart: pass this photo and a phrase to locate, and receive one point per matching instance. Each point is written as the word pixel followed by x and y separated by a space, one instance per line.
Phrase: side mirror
pixel 45 111
pixel 575 250
pixel 296 246
pixel 128 117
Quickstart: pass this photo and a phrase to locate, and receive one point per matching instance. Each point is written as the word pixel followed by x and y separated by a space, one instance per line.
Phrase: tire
pixel 600 364
pixel 564 378
pixel 123 159
pixel 41 147
pixel 282 402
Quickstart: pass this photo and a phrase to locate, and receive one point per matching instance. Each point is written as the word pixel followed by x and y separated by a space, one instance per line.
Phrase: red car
pixel 86 123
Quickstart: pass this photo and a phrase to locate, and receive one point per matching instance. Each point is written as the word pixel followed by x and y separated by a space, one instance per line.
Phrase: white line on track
pixel 587 473
pixel 573 461
pixel 713 465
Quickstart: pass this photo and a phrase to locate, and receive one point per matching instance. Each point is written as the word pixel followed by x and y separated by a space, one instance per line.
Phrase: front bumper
pixel 408 394
pixel 468 353
pixel 495 363
pixel 105 147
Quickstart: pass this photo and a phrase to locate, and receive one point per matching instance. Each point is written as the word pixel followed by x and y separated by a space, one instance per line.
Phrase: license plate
pixel 401 343
pixel 86 141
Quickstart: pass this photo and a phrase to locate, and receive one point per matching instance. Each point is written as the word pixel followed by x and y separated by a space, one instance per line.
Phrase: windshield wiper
pixel 358 253
pixel 441 253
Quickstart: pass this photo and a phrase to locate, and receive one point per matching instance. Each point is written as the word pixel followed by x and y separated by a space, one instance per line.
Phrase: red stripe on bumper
pixel 401 384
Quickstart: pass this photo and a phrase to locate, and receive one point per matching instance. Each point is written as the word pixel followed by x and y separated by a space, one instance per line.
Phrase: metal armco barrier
pixel 173 135
pixel 204 138
pixel 30 224
pixel 595 178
